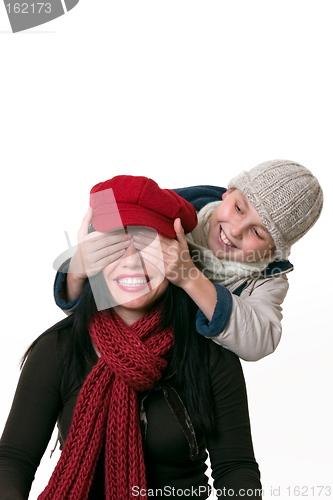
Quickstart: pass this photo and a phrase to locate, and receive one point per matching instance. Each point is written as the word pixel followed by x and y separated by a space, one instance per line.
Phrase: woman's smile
pixel 132 283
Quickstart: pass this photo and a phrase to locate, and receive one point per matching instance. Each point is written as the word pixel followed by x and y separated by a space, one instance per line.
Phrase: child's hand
pixel 171 257
pixel 96 250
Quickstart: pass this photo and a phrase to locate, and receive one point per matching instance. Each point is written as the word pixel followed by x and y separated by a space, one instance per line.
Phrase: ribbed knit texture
pixel 132 359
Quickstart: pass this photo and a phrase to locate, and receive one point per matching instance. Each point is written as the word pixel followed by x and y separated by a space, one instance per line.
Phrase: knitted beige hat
pixel 286 195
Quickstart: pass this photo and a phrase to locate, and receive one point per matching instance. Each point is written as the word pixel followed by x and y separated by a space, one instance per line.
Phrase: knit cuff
pixel 221 314
pixel 58 282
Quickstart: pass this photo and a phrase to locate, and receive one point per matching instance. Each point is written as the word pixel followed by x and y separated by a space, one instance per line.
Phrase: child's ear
pixel 226 193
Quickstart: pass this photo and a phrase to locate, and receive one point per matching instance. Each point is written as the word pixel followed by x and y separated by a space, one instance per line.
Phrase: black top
pixel 43 397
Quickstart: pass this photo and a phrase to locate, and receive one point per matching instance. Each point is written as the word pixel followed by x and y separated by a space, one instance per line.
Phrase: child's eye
pixel 238 209
pixel 257 234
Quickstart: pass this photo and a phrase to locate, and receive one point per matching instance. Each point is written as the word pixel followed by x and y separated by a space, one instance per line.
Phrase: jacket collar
pixel 273 270
pixel 277 267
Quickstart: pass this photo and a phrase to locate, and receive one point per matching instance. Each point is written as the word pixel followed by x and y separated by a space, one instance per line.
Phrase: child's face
pixel 236 231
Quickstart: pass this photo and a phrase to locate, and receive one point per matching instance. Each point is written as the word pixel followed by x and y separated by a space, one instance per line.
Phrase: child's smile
pixel 225 240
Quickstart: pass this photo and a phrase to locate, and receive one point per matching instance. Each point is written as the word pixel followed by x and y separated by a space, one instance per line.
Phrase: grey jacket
pixel 253 329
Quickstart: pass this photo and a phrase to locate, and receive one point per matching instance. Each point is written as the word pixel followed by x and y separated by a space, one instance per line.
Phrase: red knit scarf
pixel 132 359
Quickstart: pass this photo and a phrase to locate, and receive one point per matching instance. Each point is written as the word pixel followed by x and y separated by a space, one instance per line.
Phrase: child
pixel 241 244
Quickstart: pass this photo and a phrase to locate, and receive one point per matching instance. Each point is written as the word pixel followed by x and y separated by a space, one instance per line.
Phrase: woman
pixel 138 396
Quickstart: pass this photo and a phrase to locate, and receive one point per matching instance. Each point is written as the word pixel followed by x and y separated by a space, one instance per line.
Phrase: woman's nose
pixel 131 258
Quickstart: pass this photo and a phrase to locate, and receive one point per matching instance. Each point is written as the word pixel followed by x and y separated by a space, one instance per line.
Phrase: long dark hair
pixel 189 363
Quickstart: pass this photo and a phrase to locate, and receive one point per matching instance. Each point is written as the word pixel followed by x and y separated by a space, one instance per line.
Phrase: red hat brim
pixel 128 215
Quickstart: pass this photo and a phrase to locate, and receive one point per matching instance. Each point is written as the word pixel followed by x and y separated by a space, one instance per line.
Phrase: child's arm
pixel 254 327
pixel 249 325
pixel 173 259
pixel 94 252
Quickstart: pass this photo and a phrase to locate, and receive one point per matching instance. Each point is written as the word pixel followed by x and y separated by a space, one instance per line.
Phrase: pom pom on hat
pixel 127 200
pixel 287 197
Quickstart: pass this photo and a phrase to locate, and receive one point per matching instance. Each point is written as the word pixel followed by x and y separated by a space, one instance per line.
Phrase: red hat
pixel 127 200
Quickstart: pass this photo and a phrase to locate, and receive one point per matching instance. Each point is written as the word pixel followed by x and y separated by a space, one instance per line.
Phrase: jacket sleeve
pixel 234 468
pixel 199 196
pixel 31 420
pixel 248 325
pixel 61 276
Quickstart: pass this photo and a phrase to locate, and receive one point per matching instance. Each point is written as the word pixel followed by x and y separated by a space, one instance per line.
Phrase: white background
pixel 186 93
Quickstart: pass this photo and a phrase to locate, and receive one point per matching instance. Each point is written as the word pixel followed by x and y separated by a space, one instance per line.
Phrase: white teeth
pixel 225 240
pixel 132 281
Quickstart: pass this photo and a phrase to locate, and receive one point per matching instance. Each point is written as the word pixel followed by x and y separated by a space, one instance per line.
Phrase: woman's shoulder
pixel 49 349
pixel 223 364
pixel 218 354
